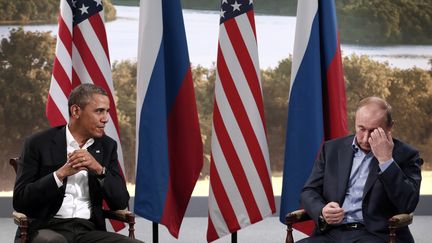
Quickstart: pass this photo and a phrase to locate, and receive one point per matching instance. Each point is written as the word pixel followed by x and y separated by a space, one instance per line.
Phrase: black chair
pixel 22 221
pixel 395 222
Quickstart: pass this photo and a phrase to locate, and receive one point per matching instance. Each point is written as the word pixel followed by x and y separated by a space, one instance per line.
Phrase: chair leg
pixel 23 232
pixel 131 222
pixel 23 238
pixel 289 238
pixel 392 235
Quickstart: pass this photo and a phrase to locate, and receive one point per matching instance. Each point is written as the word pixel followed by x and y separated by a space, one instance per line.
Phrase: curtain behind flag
pixel 240 186
pixel 317 103
pixel 82 57
pixel 169 145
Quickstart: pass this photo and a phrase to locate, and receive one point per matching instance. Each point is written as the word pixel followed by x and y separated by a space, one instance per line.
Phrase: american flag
pixel 240 187
pixel 81 57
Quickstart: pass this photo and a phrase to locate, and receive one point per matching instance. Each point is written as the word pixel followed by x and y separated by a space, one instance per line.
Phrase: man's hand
pixel 79 160
pixel 381 143
pixel 333 213
pixel 66 170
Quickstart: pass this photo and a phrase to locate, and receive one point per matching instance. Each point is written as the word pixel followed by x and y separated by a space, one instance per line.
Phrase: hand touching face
pixel 372 126
pixel 381 143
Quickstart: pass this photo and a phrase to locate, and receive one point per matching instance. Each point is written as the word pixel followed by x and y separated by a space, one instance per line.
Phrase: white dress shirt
pixel 76 202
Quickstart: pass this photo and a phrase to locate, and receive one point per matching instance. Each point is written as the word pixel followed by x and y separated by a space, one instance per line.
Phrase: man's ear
pixel 391 125
pixel 75 111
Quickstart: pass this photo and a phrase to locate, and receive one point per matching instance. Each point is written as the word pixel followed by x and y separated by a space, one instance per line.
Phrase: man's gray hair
pixel 382 104
pixel 82 94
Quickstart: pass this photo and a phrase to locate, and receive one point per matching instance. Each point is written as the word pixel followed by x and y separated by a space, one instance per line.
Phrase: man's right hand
pixel 67 170
pixel 333 213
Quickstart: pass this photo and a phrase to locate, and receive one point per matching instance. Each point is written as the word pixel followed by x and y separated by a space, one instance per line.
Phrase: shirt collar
pixel 70 140
pixel 354 145
pixel 357 150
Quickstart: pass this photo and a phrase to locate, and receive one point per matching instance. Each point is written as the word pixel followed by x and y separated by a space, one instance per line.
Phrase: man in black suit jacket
pixel 359 182
pixel 65 172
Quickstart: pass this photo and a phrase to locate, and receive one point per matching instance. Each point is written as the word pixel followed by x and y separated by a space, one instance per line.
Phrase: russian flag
pixel 317 103
pixel 169 145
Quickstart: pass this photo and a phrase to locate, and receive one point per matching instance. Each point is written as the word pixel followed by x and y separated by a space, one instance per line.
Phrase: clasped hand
pixel 333 213
pixel 78 160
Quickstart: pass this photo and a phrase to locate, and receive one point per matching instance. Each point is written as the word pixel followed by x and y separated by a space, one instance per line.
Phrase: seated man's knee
pixel 48 236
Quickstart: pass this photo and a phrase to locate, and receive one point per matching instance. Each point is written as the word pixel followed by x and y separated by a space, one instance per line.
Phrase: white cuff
pixel 58 181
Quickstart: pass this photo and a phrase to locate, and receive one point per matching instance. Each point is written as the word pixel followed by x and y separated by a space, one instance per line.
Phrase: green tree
pixel 124 77
pixel 276 85
pixel 411 99
pixel 25 71
pixel 385 21
pixel 7 10
pixel 409 92
pixel 363 78
pixel 39 11
pixel 109 10
pixel 415 22
pixel 204 82
pixel 28 11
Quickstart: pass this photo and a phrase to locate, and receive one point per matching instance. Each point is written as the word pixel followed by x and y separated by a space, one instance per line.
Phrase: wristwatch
pixel 322 224
pixel 103 173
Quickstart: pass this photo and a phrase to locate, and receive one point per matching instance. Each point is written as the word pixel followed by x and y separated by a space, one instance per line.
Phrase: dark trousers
pixel 344 235
pixel 76 231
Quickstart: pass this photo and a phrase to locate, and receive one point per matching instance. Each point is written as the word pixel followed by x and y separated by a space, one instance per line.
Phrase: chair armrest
pixel 121 215
pixel 297 217
pixel 292 218
pixel 22 221
pixel 124 216
pixel 400 220
pixel 20 218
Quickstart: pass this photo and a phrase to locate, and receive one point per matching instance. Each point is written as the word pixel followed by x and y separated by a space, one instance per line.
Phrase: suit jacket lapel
pixel 373 175
pixel 345 158
pixel 96 150
pixel 58 150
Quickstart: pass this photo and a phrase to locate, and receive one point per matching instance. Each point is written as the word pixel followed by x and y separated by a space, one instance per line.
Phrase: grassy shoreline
pixel 260 7
pixel 125 2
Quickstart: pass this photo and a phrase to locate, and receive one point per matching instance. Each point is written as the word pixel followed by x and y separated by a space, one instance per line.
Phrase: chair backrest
pixel 14 163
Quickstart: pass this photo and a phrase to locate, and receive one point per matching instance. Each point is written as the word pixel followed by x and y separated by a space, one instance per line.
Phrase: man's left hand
pixel 82 158
pixel 381 143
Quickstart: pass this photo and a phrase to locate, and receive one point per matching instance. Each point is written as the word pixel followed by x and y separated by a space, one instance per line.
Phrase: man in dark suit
pixel 360 181
pixel 65 172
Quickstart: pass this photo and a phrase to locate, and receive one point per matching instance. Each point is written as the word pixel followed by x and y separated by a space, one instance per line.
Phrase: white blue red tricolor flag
pixel 240 187
pixel 317 103
pixel 82 57
pixel 169 145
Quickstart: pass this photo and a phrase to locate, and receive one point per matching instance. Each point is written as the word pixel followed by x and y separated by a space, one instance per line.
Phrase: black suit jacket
pixel 394 191
pixel 36 193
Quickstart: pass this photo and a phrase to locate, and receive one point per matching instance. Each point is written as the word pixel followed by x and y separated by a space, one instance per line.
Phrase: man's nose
pixel 367 136
pixel 105 117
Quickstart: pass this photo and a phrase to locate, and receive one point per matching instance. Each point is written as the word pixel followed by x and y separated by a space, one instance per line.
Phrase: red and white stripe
pixel 240 185
pixel 81 57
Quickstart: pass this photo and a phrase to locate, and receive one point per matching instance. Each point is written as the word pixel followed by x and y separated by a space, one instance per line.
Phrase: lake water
pixel 275 36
